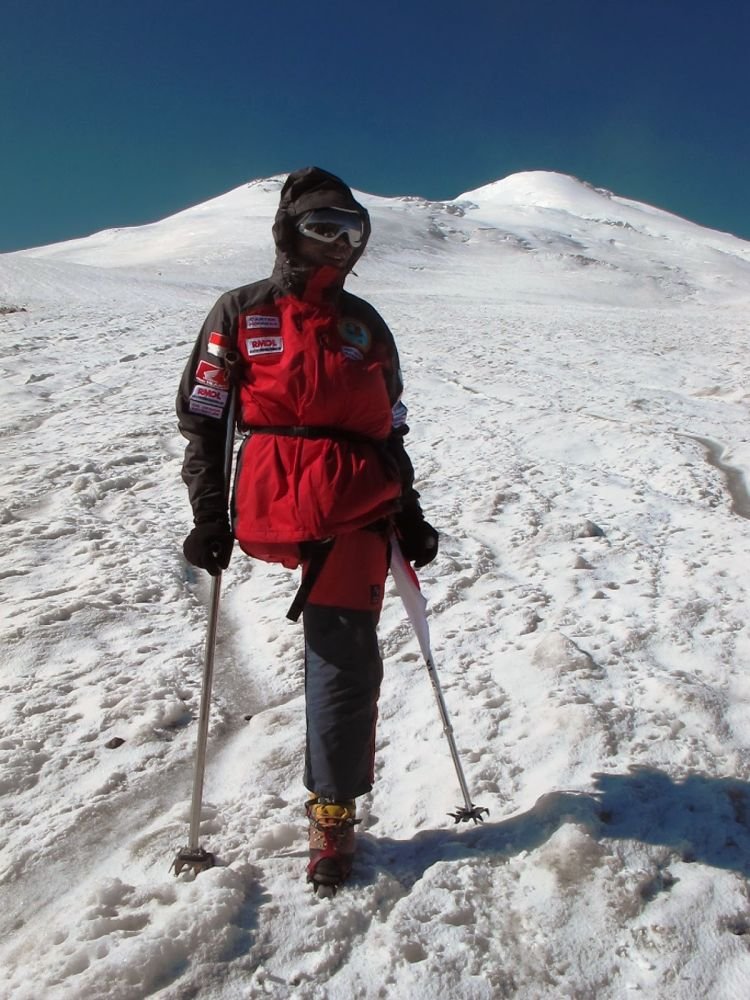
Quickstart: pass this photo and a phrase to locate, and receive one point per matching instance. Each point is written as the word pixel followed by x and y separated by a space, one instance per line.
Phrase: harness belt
pixel 311 432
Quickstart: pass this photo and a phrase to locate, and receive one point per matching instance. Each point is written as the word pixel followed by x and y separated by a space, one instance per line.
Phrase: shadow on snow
pixel 698 818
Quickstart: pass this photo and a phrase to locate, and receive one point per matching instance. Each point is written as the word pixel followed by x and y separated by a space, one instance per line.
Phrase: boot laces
pixel 329 816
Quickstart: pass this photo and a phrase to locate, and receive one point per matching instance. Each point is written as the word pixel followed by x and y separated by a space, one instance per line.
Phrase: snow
pixel 576 372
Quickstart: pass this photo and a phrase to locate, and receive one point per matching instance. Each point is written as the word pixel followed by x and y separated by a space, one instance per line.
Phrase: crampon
pixel 332 842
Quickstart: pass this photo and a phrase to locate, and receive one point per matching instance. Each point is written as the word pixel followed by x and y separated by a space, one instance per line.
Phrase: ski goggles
pixel 327 224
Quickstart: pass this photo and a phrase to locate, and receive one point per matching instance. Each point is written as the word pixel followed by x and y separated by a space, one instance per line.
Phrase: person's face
pixel 328 237
pixel 317 254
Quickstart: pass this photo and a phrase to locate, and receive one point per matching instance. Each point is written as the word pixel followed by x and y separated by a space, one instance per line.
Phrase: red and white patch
pixel 207 400
pixel 212 375
pixel 264 345
pixel 218 344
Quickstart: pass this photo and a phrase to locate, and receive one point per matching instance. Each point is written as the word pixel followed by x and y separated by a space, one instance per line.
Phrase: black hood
pixel 309 188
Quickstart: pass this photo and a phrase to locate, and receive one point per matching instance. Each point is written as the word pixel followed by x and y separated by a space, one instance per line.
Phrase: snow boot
pixel 331 840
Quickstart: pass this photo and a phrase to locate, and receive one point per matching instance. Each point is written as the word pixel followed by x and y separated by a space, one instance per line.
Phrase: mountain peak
pixel 541 189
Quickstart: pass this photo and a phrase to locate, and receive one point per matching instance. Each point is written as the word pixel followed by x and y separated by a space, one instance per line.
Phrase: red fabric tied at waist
pixel 290 490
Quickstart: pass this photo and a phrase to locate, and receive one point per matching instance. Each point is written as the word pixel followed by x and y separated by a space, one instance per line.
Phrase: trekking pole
pixel 194 856
pixel 407 585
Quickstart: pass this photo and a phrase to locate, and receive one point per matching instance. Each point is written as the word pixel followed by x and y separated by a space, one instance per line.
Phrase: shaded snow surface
pixel 577 377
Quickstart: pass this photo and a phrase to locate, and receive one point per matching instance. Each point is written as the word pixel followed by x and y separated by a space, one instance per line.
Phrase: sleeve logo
pixel 208 401
pixel 211 375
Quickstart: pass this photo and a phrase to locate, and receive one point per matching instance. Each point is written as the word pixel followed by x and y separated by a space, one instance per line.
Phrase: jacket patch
pixel 218 344
pixel 268 344
pixel 260 322
pixel 355 333
pixel 212 375
pixel 208 401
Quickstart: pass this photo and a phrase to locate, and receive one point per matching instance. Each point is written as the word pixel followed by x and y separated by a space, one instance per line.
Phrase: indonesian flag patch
pixel 218 344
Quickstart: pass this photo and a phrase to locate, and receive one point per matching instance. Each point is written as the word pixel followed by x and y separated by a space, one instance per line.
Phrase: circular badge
pixel 353 332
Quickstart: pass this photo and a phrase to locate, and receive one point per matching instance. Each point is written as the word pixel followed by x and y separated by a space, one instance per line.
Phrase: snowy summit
pixel 576 375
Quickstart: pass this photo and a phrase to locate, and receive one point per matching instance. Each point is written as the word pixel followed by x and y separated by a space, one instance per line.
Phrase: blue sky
pixel 116 114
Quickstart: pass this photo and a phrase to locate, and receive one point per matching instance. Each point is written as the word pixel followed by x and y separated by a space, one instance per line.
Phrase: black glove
pixel 209 545
pixel 417 538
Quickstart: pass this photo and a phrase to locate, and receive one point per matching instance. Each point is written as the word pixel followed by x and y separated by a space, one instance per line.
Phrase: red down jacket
pixel 303 370
pixel 318 385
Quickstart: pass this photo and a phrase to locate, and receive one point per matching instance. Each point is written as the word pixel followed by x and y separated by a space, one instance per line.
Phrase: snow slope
pixel 577 373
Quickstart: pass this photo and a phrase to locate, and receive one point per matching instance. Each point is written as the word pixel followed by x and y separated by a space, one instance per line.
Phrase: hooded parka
pixel 319 388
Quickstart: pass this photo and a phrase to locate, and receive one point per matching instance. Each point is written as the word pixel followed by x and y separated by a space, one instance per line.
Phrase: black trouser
pixel 343 673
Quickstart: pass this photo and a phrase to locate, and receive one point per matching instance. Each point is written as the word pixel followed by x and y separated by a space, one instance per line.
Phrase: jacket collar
pixel 318 285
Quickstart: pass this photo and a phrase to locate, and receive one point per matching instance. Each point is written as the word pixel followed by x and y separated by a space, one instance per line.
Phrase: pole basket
pixel 196 859
pixel 464 814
